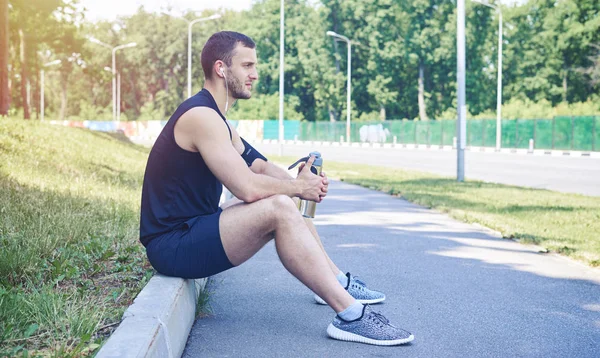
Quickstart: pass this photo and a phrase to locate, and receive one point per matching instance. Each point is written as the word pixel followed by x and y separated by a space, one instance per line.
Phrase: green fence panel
pixel 543 134
pixel 508 133
pixel 583 133
pixel 409 132
pixel 488 132
pixel 475 132
pixel 270 129
pixel 435 133
pixel 306 131
pixel 420 132
pixel 562 133
pixel 596 134
pixel 406 134
pixel 449 127
pixel 338 130
pixel 322 131
pixel 523 132
pixel 387 125
pixel 395 128
pixel 290 129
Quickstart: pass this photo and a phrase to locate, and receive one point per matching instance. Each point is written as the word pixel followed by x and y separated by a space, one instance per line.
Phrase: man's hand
pixel 325 180
pixel 326 185
pixel 312 187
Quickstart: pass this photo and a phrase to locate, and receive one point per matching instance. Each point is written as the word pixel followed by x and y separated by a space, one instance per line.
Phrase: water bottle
pixel 308 207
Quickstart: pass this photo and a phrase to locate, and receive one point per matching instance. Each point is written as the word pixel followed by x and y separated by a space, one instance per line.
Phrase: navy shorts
pixel 193 251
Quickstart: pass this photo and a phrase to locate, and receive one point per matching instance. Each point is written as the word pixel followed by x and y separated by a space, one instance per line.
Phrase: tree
pixel 4 91
pixel 29 17
pixel 593 70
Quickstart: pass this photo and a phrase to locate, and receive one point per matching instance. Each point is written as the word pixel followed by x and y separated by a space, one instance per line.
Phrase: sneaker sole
pixel 337 333
pixel 320 301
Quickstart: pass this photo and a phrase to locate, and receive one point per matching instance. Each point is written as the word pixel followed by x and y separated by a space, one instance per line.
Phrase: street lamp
pixel 499 91
pixel 281 74
pixel 118 92
pixel 190 24
pixel 52 63
pixel 114 69
pixel 348 109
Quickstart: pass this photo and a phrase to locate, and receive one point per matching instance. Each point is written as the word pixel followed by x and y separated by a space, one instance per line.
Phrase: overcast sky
pixel 110 9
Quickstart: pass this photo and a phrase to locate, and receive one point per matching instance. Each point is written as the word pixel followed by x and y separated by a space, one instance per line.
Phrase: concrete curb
pixel 521 151
pixel 158 322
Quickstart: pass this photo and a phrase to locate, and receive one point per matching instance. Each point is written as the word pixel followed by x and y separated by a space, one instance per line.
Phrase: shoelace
pixel 380 317
pixel 355 279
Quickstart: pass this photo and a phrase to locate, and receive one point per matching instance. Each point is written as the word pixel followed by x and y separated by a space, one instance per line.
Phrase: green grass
pixel 69 213
pixel 564 223
pixel 203 306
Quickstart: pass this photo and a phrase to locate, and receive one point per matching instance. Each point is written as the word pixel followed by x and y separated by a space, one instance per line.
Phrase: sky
pixel 110 9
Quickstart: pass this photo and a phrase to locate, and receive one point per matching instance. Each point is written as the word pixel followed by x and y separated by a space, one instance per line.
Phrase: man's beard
pixel 237 88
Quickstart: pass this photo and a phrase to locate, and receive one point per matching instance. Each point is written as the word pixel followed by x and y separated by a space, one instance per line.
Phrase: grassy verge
pixel 71 262
pixel 564 223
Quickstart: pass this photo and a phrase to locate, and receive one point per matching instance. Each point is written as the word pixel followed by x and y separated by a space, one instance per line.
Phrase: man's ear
pixel 219 68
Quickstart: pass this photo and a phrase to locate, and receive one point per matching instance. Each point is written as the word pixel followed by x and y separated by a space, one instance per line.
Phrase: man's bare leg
pixel 315 234
pixel 309 224
pixel 246 228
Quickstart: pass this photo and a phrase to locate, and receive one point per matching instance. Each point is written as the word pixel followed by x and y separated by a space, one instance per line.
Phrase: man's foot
pixel 371 328
pixel 358 289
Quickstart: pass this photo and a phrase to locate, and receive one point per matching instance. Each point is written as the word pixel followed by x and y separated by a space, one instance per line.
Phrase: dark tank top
pixel 178 186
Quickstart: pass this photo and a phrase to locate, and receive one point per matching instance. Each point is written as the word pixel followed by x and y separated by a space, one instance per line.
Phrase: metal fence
pixel 562 133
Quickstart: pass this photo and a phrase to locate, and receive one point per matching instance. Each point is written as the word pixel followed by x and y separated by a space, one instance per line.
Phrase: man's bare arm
pixel 275 171
pixel 210 137
pixel 259 166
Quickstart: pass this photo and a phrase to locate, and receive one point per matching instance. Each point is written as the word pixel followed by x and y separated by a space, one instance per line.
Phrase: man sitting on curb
pixel 186 233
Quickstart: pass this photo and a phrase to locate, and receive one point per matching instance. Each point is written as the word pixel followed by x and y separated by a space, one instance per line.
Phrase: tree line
pixel 403 58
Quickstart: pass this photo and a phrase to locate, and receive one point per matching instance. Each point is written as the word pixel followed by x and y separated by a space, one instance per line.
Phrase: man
pixel 188 235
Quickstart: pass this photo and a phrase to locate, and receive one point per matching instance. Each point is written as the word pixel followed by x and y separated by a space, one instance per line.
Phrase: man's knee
pixel 283 204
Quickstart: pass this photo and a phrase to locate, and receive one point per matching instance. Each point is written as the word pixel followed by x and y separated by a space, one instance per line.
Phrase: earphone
pixel 226 90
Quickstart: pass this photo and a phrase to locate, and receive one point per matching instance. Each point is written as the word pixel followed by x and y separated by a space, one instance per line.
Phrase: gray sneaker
pixel 358 289
pixel 370 328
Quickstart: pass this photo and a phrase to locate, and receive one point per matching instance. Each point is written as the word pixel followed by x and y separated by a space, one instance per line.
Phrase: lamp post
pixel 461 125
pixel 118 92
pixel 348 85
pixel 281 74
pixel 499 90
pixel 52 63
pixel 190 24
pixel 114 69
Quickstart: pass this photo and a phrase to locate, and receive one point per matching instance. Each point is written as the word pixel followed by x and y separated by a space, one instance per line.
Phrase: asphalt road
pixel 565 174
pixel 460 289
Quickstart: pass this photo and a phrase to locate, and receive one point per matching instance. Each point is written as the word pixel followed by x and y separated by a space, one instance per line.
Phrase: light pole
pixel 281 73
pixel 499 90
pixel 114 69
pixel 52 63
pixel 190 24
pixel 461 125
pixel 348 85
pixel 118 92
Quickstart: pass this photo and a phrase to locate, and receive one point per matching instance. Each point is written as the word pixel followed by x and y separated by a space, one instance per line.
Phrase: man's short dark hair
pixel 220 46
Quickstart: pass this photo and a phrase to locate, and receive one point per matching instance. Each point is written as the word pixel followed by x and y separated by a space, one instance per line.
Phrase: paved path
pixel 461 291
pixel 567 174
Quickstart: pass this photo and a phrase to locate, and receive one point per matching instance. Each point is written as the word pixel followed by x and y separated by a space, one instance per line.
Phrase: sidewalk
pixel 460 289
